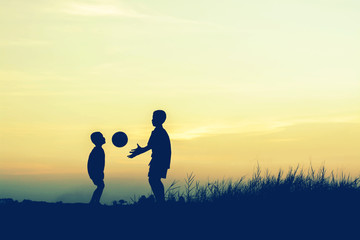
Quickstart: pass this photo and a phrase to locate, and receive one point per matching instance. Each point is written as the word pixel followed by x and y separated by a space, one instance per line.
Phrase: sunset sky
pixel 274 83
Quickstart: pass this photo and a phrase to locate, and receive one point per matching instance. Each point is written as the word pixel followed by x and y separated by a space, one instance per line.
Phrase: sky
pixel 274 83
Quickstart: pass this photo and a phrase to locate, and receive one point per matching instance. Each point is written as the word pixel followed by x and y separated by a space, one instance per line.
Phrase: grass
pixel 299 203
pixel 297 183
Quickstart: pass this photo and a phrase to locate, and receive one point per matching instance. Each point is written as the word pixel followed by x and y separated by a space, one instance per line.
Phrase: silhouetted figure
pixel 96 165
pixel 159 143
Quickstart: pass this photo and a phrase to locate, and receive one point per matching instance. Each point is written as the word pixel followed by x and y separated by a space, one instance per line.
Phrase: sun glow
pixel 242 82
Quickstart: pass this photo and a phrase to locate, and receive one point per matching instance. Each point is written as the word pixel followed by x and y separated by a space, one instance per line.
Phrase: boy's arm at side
pixel 137 151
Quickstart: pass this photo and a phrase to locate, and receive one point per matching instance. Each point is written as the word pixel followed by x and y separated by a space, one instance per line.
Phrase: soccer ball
pixel 119 139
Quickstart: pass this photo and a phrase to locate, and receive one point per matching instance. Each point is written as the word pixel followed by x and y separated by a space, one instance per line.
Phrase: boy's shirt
pixel 159 142
pixel 96 163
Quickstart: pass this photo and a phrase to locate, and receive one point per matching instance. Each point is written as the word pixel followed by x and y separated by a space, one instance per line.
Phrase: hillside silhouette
pixel 297 204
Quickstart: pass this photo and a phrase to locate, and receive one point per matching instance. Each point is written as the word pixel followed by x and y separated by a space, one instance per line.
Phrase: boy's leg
pixel 95 199
pixel 158 189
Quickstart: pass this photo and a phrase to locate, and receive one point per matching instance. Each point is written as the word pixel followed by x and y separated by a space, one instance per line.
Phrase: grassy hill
pixel 297 204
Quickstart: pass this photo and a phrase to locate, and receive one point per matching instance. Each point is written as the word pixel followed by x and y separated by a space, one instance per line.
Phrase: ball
pixel 119 139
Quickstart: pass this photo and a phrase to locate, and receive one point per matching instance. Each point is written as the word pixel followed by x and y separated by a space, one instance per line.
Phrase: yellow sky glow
pixel 243 82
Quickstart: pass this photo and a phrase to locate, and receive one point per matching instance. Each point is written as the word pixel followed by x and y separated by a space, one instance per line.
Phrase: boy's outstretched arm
pixel 137 151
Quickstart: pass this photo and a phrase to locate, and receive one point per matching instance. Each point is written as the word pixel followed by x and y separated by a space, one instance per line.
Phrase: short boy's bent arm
pixel 102 160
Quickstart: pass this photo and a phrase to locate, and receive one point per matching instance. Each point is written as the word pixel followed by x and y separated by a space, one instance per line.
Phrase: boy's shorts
pixel 97 178
pixel 98 181
pixel 157 172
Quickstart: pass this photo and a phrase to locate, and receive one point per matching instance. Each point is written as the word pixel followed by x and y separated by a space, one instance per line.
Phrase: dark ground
pixel 288 218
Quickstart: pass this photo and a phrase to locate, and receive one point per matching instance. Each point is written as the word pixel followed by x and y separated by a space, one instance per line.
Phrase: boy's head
pixel 159 117
pixel 97 138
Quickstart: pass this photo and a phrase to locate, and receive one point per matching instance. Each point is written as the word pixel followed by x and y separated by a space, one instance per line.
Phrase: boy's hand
pixel 136 151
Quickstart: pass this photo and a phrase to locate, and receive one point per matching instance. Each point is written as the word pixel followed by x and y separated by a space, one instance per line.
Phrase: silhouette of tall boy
pixel 96 165
pixel 159 143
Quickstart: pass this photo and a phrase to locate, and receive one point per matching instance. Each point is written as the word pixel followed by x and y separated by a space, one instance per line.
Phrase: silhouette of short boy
pixel 96 165
pixel 159 143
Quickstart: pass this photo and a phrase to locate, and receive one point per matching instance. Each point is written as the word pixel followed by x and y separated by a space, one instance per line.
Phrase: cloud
pixel 195 132
pixel 81 9
pixel 254 128
pixel 25 168
pixel 248 128
pixel 283 139
pixel 24 42
pixel 100 10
